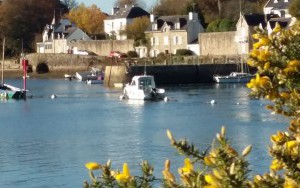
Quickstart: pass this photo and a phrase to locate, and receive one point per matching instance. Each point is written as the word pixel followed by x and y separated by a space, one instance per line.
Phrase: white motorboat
pixel 234 77
pixel 90 75
pixel 143 88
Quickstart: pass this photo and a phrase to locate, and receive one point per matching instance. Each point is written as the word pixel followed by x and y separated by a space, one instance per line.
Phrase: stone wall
pixel 103 47
pixel 218 43
pixel 65 61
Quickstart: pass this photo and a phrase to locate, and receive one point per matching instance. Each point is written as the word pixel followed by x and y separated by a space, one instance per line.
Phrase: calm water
pixel 46 143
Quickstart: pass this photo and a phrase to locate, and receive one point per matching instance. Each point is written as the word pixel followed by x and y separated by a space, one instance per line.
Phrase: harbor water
pixel 46 142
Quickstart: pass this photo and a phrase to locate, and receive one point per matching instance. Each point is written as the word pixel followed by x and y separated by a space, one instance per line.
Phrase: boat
pixel 143 88
pixel 89 75
pixel 69 77
pixel 99 80
pixel 8 91
pixel 234 77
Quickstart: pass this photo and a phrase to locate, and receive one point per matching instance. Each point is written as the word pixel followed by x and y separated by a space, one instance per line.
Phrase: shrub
pixel 184 52
pixel 132 54
pixel 42 68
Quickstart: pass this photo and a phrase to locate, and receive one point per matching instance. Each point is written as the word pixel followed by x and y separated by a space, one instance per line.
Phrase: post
pixel 3 53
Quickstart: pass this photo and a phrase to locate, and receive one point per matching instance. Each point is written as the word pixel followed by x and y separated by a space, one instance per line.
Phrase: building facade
pixel 58 36
pixel 168 34
pixel 115 25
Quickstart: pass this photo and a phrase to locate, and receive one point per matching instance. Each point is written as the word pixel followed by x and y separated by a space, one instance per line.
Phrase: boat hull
pixel 234 77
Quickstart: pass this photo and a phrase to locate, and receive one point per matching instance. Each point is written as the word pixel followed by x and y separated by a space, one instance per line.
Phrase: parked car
pixel 117 54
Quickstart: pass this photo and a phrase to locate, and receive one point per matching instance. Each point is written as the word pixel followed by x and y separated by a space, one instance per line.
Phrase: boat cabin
pixel 142 82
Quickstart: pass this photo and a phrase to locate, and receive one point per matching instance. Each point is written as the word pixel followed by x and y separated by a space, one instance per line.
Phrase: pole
pixel 3 53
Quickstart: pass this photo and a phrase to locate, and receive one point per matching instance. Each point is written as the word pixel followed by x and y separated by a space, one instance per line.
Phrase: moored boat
pixel 234 77
pixel 143 88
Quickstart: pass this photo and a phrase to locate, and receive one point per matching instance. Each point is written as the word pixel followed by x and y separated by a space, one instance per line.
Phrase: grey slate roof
pixel 171 21
pixel 255 19
pixel 279 5
pixel 129 12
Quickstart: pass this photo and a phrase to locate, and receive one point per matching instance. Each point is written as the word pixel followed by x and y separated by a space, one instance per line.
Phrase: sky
pixel 107 5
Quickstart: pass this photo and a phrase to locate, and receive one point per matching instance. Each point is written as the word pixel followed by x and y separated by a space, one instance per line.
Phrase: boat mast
pixel 3 47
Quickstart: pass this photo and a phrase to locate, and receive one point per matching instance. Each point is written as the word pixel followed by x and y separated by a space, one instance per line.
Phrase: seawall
pixel 169 75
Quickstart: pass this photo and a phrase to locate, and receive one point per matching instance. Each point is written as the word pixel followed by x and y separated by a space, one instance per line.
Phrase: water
pixel 46 143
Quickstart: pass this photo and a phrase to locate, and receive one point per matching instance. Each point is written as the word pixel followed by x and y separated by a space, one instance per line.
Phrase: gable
pixel 278 4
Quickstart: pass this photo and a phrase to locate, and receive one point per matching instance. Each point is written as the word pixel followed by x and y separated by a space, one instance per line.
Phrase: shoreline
pixel 17 73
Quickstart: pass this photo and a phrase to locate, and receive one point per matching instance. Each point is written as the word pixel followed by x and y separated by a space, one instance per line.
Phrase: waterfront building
pixel 115 24
pixel 58 36
pixel 170 33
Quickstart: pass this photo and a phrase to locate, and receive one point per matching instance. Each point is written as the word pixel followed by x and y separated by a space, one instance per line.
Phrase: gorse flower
pixel 125 175
pixel 93 166
pixel 187 168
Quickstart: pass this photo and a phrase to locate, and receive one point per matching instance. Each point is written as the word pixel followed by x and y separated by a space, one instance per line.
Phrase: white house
pixel 116 23
pixel 57 37
pixel 169 33
pixel 279 7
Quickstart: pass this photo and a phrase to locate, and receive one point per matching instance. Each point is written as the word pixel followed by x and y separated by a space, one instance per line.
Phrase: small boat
pixel 69 77
pixel 143 88
pixel 99 80
pixel 10 92
pixel 90 75
pixel 234 77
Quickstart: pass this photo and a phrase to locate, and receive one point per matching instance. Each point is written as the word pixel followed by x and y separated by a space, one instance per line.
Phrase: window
pixel 177 25
pixel 166 40
pixel 154 26
pixel 177 40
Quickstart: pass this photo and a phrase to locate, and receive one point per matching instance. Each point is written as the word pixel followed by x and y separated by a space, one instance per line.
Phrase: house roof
pixel 283 22
pixel 255 19
pixel 278 4
pixel 128 12
pixel 170 21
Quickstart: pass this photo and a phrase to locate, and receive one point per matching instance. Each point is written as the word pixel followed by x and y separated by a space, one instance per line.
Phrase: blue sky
pixel 107 5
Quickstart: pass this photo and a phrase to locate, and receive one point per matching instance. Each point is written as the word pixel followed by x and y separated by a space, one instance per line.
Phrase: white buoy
pixel 166 99
pixel 213 102
pixel 238 103
pixel 53 96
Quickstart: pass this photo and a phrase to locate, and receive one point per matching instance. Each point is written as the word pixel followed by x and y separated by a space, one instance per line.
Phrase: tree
pixel 24 20
pixel 70 3
pixel 89 19
pixel 294 9
pixel 122 3
pixel 221 25
pixel 136 30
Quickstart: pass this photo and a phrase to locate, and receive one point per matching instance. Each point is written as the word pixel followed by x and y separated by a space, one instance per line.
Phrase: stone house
pixel 115 24
pixel 58 36
pixel 167 34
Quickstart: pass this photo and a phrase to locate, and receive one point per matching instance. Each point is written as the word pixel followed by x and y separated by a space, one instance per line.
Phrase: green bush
pixel 42 68
pixel 132 54
pixel 184 52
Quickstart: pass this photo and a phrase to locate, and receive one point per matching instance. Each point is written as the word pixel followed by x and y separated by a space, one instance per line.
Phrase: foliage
pixel 294 8
pixel 136 30
pixel 132 54
pixel 184 52
pixel 70 3
pixel 23 20
pixel 89 19
pixel 42 68
pixel 122 3
pixel 220 25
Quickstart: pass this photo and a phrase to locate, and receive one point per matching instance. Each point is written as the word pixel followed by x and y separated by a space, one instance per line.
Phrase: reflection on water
pixel 45 142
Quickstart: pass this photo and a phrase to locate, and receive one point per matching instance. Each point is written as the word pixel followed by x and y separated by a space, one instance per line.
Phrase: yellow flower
pixel 92 166
pixel 187 168
pixel 263 55
pixel 291 144
pixel 267 65
pixel 125 175
pixel 212 180
pixel 277 138
pixel 208 161
pixel 256 36
pixel 166 172
pixel 277 28
pixel 276 165
pixel 290 183
pixel 285 95
pixel 294 63
pixel 255 53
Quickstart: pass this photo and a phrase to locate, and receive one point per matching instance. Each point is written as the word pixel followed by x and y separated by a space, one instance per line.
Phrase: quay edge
pixel 170 74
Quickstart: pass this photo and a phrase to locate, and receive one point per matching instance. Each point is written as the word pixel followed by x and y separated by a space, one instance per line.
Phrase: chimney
pixel 286 1
pixel 275 1
pixel 193 16
pixel 125 5
pixel 114 10
pixel 151 17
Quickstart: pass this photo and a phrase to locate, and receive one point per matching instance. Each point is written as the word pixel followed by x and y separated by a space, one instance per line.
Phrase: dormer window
pixel 177 25
pixel 275 1
pixel 154 26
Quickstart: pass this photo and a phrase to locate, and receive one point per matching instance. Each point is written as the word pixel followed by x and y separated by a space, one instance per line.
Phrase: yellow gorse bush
pixel 277 59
